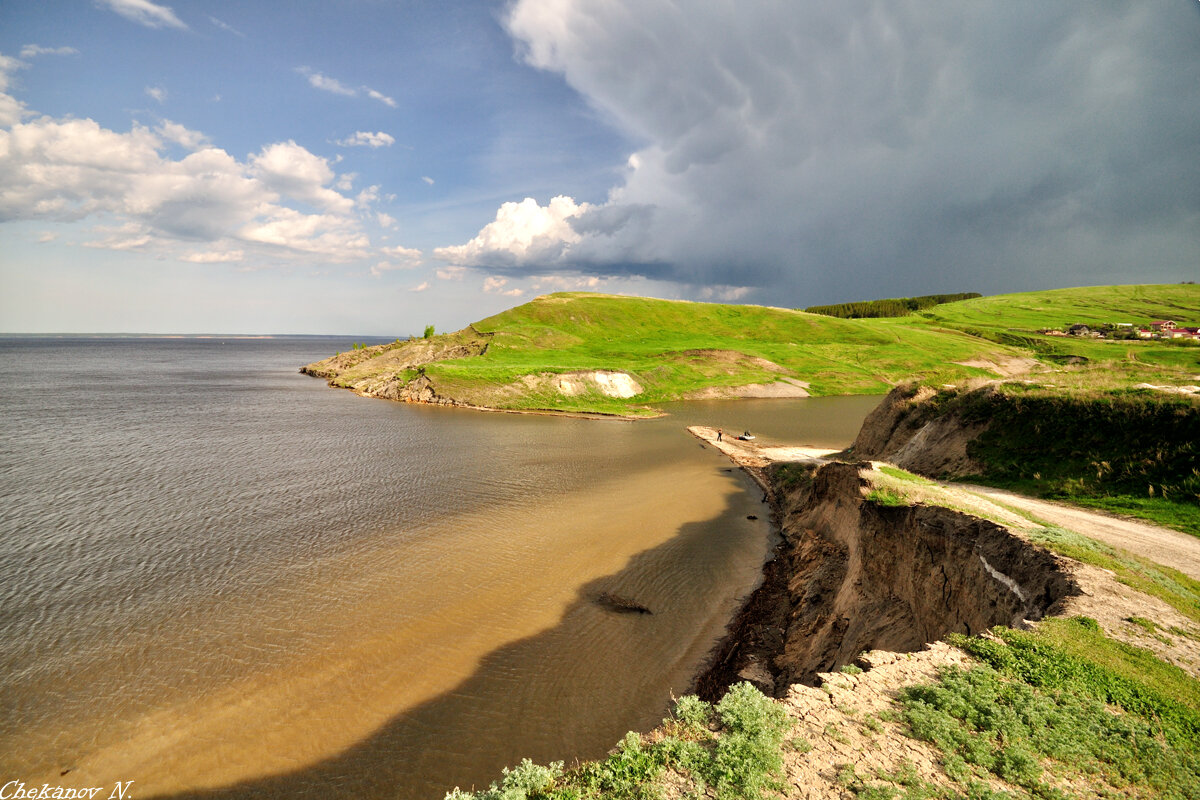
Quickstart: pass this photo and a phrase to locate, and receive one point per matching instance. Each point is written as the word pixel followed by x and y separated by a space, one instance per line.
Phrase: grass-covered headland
pixel 546 354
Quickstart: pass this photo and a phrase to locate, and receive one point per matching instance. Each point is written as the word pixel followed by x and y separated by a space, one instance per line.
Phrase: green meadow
pixel 675 350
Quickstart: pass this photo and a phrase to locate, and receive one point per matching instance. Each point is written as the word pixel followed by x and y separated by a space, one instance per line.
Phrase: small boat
pixel 746 437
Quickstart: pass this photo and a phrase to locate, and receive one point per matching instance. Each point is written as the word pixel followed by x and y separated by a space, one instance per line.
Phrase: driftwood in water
pixel 622 605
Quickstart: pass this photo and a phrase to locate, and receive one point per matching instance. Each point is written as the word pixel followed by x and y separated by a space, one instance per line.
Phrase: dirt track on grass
pixel 1162 545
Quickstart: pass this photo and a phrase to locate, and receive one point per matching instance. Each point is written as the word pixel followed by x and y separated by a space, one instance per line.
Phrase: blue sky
pixel 370 167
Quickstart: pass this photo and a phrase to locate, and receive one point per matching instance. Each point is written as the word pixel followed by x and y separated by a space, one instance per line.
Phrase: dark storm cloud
pixel 857 149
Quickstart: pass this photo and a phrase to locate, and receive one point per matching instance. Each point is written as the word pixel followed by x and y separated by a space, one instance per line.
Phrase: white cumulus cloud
pixel 181 135
pixel 523 234
pixel 291 169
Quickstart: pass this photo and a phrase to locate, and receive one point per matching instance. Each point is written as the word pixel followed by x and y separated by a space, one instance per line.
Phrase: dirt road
pixel 1163 545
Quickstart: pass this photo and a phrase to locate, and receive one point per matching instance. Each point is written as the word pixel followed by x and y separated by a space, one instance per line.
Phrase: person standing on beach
pixel 718 434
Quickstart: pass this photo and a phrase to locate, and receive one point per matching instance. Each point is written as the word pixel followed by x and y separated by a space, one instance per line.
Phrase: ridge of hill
pixel 607 354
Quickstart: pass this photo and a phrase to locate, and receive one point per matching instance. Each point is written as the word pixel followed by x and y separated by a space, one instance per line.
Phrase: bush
pixel 693 713
pixel 525 781
pixel 739 759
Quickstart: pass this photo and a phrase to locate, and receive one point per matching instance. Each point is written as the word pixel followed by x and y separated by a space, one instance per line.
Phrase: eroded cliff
pixel 851 575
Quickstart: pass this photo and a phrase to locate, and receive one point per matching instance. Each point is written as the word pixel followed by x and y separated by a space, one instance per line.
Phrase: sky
pixel 374 166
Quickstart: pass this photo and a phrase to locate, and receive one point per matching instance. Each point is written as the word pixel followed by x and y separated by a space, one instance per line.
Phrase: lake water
pixel 221 578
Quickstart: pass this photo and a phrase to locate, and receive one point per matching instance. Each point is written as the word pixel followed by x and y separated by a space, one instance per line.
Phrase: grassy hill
pixel 546 353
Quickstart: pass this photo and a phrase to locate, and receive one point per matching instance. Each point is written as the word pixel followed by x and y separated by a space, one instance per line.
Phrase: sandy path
pixel 1163 545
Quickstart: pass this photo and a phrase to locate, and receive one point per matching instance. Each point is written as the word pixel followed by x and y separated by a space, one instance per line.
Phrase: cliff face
pixel 907 430
pixel 397 371
pixel 851 575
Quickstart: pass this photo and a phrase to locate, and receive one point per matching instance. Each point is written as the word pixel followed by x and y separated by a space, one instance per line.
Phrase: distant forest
pixel 893 307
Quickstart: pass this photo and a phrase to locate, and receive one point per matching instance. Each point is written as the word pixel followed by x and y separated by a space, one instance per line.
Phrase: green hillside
pixel 1091 305
pixel 540 355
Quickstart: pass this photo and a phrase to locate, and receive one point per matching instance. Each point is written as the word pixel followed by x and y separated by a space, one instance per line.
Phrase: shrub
pixel 693 713
pixel 739 760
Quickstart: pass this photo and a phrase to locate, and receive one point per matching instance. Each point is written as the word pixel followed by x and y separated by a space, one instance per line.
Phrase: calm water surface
pixel 219 577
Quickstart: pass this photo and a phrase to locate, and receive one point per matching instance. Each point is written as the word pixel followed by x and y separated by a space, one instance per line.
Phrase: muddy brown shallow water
pixel 220 577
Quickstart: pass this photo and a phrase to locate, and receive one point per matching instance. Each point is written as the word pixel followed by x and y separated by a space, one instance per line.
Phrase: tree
pixel 428 331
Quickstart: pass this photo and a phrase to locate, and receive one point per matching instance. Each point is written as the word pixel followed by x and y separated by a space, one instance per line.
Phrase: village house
pixel 1159 329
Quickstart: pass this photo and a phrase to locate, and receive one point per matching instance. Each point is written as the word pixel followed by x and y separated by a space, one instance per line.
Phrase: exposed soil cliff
pixel 851 575
pixel 1117 448
pixel 396 371
pixel 907 430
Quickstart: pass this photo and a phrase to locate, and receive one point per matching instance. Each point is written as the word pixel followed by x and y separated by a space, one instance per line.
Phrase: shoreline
pixel 824 510
pixel 758 610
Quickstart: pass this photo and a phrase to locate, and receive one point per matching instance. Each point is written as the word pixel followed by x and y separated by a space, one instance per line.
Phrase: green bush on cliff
pixel 734 747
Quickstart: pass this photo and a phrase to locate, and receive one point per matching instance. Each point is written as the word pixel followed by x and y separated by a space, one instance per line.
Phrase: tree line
pixel 891 307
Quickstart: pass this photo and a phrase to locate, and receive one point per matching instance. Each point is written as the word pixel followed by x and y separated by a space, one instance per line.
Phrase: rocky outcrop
pixel 396 371
pixel 417 390
pixel 851 575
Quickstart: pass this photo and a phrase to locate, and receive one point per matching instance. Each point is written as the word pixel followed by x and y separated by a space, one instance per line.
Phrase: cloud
pixel 523 234
pixel 495 285
pixel 12 110
pixel 819 152
pixel 567 283
pixel 325 83
pixel 182 136
pixel 723 294
pixel 225 26
pixel 380 96
pixel 367 197
pixel 290 169
pixel 46 236
pixel 214 257
pixel 157 93
pixel 72 169
pixel 328 235
pixel 420 287
pixel 367 139
pixel 427 179
pixel 144 12
pixel 450 273
pixel 130 236
pixel 398 258
pixel 34 50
